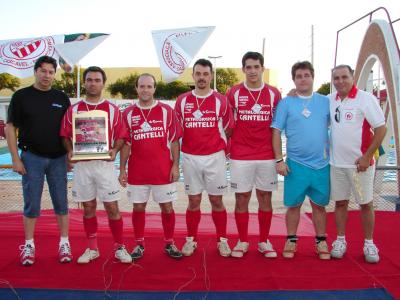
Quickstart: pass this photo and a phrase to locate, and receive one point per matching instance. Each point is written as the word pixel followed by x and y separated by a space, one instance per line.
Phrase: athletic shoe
pixel 173 252
pixel 267 249
pixel 322 250
pixel 240 249
pixel 290 249
pixel 88 256
pixel 64 253
pixel 371 253
pixel 223 247
pixel 122 255
pixel 137 252
pixel 27 255
pixel 189 246
pixel 338 248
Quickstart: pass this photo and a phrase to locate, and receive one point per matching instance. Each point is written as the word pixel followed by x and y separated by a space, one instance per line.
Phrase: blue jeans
pixel 55 170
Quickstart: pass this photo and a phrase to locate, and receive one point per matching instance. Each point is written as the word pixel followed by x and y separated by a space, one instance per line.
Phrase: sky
pixel 241 26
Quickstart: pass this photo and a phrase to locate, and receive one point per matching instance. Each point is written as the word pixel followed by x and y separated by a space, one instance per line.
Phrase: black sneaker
pixel 173 252
pixel 137 252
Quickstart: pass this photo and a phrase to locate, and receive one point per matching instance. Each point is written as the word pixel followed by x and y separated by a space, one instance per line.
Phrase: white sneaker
pixel 64 253
pixel 240 249
pixel 88 256
pixel 223 247
pixel 189 247
pixel 371 253
pixel 27 255
pixel 122 255
pixel 267 249
pixel 338 248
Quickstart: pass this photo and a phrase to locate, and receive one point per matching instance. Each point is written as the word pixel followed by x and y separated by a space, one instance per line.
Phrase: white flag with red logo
pixel 17 57
pixel 177 47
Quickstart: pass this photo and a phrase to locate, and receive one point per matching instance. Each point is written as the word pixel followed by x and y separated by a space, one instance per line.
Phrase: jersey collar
pixel 351 95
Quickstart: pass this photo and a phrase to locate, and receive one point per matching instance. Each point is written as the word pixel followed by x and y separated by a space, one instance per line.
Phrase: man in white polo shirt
pixel 357 129
pixel 252 157
pixel 205 117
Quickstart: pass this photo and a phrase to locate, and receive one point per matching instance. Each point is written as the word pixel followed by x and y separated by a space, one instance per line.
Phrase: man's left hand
pixel 174 174
pixel 362 163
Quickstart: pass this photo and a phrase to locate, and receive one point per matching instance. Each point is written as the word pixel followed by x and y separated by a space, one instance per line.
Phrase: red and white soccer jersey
pixel 352 120
pixel 204 120
pixel 252 111
pixel 150 161
pixel 116 126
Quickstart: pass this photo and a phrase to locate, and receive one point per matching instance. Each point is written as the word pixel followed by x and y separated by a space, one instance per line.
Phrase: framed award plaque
pixel 90 135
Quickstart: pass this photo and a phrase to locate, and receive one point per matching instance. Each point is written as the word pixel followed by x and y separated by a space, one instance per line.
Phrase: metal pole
pixel 214 58
pixel 78 83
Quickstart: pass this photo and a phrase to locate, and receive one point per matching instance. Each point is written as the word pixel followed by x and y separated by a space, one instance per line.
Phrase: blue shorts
pixel 304 181
pixel 55 170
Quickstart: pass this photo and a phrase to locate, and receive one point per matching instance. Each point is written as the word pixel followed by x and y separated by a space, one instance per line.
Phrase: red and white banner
pixel 176 48
pixel 17 57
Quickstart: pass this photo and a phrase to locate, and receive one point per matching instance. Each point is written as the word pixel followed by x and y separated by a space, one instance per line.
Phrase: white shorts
pixel 95 179
pixel 248 173
pixel 345 181
pixel 161 193
pixel 205 172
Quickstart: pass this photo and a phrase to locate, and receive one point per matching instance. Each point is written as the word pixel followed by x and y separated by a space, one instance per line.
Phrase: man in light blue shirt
pixel 305 120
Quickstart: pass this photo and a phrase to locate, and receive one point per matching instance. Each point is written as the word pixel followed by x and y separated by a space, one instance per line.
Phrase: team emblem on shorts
pixel 348 116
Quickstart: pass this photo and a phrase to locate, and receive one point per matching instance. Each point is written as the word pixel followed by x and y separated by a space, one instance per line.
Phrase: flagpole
pixel 78 83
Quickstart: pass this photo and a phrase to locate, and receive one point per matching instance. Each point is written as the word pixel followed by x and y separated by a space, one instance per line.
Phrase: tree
pixel 225 79
pixel 325 88
pixel 124 86
pixel 68 83
pixel 171 90
pixel 8 81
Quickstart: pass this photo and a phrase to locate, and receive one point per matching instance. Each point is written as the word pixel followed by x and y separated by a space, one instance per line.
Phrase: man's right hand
pixel 292 93
pixel 19 167
pixel 282 168
pixel 122 178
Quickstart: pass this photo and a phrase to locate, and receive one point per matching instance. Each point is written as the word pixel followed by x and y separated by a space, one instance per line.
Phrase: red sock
pixel 116 227
pixel 168 223
pixel 138 222
pixel 220 220
pixel 192 222
pixel 90 226
pixel 264 223
pixel 242 224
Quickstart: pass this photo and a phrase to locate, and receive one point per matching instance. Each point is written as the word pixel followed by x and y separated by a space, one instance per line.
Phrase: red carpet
pixel 205 270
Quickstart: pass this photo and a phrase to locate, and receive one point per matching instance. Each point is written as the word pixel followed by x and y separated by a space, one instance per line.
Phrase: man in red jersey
pixel 96 178
pixel 153 162
pixel 205 117
pixel 252 157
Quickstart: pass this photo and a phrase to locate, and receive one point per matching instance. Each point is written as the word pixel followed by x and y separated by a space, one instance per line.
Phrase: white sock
pixel 30 242
pixel 64 240
pixel 368 241
pixel 341 238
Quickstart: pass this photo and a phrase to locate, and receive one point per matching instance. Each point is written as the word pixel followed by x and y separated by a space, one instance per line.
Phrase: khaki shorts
pixel 160 193
pixel 95 179
pixel 205 172
pixel 346 181
pixel 248 173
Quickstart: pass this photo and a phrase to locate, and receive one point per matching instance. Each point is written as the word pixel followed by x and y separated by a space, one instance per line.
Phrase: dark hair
pixel 95 69
pixel 203 62
pixel 302 65
pixel 344 66
pixel 45 60
pixel 146 75
pixel 253 55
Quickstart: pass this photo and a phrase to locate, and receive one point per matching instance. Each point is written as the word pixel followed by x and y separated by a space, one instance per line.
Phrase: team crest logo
pixel 348 116
pixel 22 54
pixel 172 58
